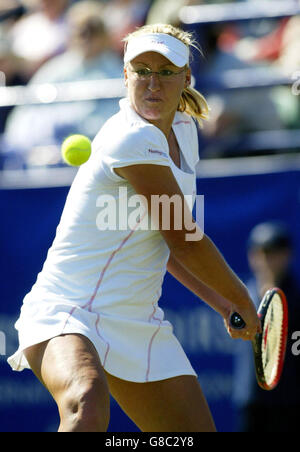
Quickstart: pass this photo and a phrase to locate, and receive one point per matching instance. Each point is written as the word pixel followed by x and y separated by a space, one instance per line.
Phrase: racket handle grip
pixel 237 322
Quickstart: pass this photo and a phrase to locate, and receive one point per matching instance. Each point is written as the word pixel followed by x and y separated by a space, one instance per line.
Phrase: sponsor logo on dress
pixel 156 151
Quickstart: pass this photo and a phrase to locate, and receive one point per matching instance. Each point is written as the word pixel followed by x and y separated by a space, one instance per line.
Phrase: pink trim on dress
pixel 152 339
pixel 89 304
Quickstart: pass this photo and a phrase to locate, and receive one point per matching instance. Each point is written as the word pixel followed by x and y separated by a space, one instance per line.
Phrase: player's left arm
pixel 209 296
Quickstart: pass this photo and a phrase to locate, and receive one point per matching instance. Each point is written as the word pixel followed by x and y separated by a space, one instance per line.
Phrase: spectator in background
pixel 279 46
pixel 270 254
pixel 89 57
pixel 167 11
pixel 40 34
pixel 289 58
pixel 234 111
pixel 278 50
pixel 122 17
pixel 288 62
pixel 8 76
pixel 10 73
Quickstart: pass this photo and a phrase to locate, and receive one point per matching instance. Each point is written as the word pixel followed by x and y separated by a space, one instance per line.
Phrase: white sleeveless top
pixel 106 283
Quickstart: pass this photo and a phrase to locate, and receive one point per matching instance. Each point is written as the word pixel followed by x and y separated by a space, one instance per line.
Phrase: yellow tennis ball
pixel 76 150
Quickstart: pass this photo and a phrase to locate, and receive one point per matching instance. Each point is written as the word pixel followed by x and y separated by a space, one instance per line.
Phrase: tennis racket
pixel 269 346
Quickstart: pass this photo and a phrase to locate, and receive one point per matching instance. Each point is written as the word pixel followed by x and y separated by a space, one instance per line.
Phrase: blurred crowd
pixel 63 41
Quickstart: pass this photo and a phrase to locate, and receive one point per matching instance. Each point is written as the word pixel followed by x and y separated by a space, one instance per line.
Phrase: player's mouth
pixel 153 100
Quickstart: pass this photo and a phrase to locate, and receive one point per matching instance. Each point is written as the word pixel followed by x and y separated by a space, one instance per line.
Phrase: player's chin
pixel 152 113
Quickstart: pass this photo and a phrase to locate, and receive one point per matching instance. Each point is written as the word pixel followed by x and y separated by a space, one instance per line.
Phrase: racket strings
pixel 272 339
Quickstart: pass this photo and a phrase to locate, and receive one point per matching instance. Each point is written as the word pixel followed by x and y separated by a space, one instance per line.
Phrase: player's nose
pixel 154 82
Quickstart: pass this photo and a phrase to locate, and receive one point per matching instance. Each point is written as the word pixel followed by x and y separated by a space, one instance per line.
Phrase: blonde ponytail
pixel 192 101
pixel 194 104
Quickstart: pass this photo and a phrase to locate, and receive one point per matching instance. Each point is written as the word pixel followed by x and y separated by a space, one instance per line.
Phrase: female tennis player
pixel 91 323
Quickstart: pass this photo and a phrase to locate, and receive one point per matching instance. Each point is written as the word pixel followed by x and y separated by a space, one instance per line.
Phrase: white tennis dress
pixel 105 284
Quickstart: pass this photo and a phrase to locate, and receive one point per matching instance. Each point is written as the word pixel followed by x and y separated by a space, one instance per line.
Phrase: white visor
pixel 171 48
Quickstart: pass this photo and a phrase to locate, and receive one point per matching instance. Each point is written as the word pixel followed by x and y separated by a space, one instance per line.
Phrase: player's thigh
pixel 172 405
pixel 70 368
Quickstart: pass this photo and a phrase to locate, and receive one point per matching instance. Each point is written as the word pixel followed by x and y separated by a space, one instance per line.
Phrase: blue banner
pixel 233 206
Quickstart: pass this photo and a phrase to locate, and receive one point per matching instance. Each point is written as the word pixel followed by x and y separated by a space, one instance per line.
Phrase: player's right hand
pixel 251 319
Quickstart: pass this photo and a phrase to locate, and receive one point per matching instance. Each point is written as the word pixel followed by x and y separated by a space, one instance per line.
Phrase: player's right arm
pixel 199 257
